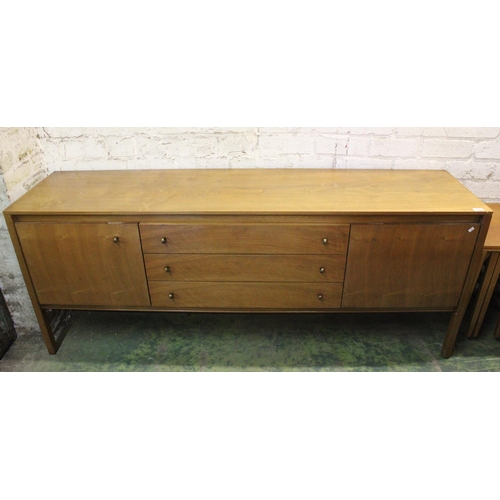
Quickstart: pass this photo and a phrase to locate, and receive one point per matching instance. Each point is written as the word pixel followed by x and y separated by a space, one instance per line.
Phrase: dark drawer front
pixel 192 295
pixel 245 238
pixel 283 268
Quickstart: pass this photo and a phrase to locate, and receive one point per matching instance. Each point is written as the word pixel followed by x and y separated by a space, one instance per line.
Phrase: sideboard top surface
pixel 248 191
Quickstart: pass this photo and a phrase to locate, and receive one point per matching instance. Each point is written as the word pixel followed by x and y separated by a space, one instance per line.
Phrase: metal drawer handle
pixel 164 240
pixel 320 296
pixel 167 269
pixel 170 295
pixel 116 239
pixel 322 270
pixel 325 241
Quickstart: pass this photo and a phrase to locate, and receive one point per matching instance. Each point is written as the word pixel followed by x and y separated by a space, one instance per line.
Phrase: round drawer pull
pixel 170 295
pixel 167 269
pixel 164 240
pixel 325 241
pixel 116 239
pixel 322 270
pixel 320 296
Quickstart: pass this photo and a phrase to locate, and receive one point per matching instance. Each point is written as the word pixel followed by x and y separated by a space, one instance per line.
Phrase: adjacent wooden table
pixel 254 240
pixel 490 276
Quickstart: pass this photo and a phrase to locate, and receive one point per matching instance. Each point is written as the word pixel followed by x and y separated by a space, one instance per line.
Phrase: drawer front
pixel 207 267
pixel 188 295
pixel 289 239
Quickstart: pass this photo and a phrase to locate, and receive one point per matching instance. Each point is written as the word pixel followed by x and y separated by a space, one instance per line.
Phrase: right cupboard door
pixel 407 265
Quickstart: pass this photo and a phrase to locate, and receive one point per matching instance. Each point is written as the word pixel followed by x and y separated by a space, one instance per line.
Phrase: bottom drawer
pixel 223 295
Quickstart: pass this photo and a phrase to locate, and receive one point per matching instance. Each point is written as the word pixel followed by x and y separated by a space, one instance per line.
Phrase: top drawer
pixel 245 238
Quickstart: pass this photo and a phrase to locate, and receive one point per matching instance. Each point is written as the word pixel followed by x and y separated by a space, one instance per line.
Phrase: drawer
pixel 242 238
pixel 223 295
pixel 209 267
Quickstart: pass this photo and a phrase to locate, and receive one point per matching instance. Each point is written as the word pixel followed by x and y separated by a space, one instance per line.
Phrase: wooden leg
pixel 451 334
pixel 496 333
pixel 474 270
pixel 54 325
pixel 489 293
pixel 475 323
pixel 480 293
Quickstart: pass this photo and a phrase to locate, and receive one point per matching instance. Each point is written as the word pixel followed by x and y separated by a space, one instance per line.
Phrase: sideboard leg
pixel 451 334
pixel 54 324
pixel 474 269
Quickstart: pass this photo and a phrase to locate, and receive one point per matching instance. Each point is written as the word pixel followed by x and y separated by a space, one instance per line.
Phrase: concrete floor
pixel 114 341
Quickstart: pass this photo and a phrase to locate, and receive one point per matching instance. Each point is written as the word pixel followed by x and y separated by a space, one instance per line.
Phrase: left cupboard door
pixel 85 264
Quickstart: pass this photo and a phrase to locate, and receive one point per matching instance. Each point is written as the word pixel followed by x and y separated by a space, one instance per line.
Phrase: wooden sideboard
pixel 307 240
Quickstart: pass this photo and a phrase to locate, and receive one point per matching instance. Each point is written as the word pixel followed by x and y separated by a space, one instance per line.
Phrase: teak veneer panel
pixel 208 267
pixel 81 264
pixel 413 265
pixel 240 296
pixel 245 238
pixel 248 191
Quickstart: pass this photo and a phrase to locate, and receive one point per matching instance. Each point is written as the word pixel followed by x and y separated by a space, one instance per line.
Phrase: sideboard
pixel 252 240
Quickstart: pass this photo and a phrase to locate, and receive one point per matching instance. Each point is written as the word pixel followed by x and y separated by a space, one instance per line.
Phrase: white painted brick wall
pixel 22 165
pixel 472 155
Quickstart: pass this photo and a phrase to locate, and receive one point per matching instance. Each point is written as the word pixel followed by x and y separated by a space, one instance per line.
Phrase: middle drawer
pixel 210 267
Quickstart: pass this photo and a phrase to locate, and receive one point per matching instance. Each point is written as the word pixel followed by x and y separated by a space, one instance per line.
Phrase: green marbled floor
pixel 114 341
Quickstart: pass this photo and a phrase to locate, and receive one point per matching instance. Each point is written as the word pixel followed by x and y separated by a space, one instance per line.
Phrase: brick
pixel 409 131
pixel 419 164
pixel 365 130
pixel 486 190
pixel 495 174
pixel 446 148
pixel 94 148
pixel 368 163
pixel 242 161
pixel 249 143
pixel 229 145
pixel 434 132
pixel 394 147
pixel 271 145
pixel 490 149
pixel 120 148
pixel 67 132
pixel 73 149
pixel 473 132
pixel 358 146
pixel 470 170
pixel 281 161
pixel 325 144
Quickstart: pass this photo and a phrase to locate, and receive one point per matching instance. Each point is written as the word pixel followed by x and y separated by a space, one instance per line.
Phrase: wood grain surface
pixel 245 295
pixel 492 242
pixel 81 264
pixel 408 265
pixel 245 238
pixel 248 191
pixel 208 267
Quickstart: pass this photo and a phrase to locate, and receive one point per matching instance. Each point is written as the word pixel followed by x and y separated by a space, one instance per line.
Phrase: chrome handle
pixel 167 269
pixel 322 270
pixel 116 239
pixel 170 295
pixel 325 241
pixel 320 296
pixel 164 240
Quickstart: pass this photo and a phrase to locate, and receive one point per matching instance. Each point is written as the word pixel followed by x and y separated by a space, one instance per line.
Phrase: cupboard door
pixel 85 264
pixel 407 265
